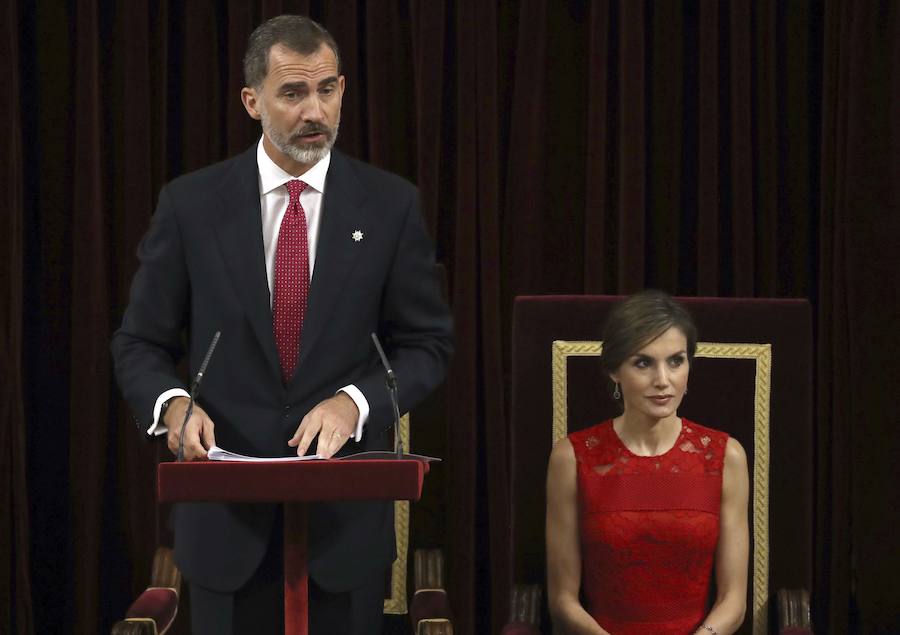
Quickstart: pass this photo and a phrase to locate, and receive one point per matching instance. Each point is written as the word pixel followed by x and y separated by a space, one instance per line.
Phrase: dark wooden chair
pixel 430 606
pixel 752 378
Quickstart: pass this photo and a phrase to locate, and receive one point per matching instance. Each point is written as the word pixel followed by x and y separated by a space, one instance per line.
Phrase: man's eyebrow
pixel 304 85
pixel 292 86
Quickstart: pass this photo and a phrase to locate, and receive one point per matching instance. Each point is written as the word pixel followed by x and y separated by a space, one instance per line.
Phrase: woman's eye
pixel 641 363
pixel 676 361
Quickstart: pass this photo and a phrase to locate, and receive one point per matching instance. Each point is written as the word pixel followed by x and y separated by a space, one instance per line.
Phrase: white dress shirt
pixel 273 201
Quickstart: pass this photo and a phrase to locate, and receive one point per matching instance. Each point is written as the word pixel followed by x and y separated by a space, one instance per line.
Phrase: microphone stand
pixel 195 390
pixel 393 391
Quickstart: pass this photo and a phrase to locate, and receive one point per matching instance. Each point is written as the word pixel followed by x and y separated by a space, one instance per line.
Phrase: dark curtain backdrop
pixel 705 148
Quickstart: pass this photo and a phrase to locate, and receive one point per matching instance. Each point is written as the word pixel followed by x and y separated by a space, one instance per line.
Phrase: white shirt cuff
pixel 158 428
pixel 362 404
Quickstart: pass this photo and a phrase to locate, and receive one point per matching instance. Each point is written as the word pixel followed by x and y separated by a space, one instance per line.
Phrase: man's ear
pixel 249 98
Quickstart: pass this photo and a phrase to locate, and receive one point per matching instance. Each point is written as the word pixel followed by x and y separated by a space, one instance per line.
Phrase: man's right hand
pixel 199 435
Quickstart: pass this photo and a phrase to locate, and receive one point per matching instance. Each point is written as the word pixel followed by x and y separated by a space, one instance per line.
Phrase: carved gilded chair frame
pixel 397 603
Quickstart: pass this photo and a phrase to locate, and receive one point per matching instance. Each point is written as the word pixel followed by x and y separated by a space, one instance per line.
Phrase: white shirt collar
pixel 271 176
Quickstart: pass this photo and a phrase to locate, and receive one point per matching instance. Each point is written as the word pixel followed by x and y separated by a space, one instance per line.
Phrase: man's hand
pixel 334 420
pixel 199 435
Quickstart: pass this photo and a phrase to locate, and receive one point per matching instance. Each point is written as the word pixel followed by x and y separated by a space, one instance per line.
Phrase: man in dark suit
pixel 296 254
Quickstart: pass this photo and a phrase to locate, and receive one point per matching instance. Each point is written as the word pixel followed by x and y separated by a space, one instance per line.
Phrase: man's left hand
pixel 333 420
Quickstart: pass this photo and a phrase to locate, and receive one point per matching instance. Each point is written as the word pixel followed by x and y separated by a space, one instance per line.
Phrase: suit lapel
pixel 336 251
pixel 239 232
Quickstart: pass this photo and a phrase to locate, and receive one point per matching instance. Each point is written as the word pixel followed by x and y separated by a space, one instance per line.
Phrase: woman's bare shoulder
pixel 563 453
pixel 735 454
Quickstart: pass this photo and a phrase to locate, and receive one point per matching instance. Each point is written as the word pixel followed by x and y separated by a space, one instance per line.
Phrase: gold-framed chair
pixel 752 378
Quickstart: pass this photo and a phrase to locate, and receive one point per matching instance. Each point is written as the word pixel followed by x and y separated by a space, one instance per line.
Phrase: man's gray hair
pixel 298 33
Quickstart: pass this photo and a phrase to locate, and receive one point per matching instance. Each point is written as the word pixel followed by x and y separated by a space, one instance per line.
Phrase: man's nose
pixel 313 110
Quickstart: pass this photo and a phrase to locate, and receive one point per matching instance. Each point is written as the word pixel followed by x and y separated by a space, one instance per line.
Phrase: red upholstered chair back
pixel 752 378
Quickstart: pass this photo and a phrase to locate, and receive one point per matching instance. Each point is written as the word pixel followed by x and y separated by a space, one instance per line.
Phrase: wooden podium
pixel 294 484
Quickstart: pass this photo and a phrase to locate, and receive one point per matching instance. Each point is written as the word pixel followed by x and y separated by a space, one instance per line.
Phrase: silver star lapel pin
pixel 357 235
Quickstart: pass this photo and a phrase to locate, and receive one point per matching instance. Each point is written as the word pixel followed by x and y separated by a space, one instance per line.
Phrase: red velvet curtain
pixel 708 148
pixel 859 220
pixel 15 570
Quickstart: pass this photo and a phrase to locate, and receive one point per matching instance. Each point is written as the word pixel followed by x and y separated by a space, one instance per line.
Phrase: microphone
pixel 195 390
pixel 391 382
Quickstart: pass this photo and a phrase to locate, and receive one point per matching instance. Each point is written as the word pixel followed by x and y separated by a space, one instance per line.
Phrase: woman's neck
pixel 647 436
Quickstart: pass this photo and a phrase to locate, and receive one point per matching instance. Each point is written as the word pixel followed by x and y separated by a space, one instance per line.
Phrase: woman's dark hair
pixel 298 33
pixel 638 320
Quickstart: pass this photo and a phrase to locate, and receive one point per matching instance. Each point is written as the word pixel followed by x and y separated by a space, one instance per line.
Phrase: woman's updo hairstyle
pixel 638 320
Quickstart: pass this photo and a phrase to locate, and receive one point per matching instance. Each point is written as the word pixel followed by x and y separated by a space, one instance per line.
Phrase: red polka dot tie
pixel 291 281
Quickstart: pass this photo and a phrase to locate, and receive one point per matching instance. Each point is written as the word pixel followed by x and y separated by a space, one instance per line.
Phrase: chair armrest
pixel 159 604
pixel 429 604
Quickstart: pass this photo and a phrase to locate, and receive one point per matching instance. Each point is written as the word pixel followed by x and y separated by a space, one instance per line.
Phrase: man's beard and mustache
pixel 308 153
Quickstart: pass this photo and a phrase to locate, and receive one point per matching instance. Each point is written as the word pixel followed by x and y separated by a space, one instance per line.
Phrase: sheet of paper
pixel 218 454
pixel 389 456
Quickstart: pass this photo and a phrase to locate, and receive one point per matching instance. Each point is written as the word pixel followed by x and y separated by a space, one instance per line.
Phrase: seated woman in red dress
pixel 645 510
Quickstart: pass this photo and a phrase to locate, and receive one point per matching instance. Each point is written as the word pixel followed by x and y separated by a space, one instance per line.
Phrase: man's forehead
pixel 286 64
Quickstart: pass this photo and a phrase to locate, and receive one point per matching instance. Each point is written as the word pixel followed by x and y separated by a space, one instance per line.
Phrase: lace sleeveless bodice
pixel 649 527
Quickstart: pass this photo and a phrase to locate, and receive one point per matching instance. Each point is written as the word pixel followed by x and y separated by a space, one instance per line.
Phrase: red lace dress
pixel 649 527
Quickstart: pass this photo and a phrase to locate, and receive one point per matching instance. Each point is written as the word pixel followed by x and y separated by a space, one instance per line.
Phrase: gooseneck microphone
pixel 391 382
pixel 195 390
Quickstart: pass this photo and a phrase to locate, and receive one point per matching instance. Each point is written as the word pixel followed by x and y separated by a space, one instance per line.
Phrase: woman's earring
pixel 616 394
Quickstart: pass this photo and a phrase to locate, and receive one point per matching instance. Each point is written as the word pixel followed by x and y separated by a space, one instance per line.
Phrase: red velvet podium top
pixel 277 482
